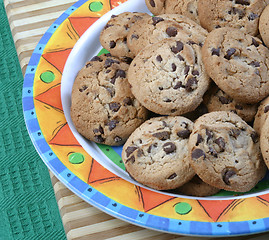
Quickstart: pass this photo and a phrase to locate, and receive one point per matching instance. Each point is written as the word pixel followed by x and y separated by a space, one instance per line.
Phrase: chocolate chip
pixel 266 109
pixel 117 139
pixel 99 130
pixel 152 3
pixel 169 147
pixel 108 26
pixel 254 137
pixel 221 143
pixel 184 133
pixel 199 139
pixel 109 62
pixel 241 12
pixel 239 107
pixel 255 43
pixel 209 134
pixel 228 173
pixel 252 16
pixel 112 124
pixel 255 64
pixel 134 36
pixel 112 44
pixel 186 69
pixel 178 85
pixel 234 132
pixel 198 153
pixel 171 31
pixel 178 48
pixel 180 57
pixel 114 16
pixel 224 100
pixel 174 175
pixel 96 59
pixel 98 139
pixel 120 73
pixel 159 58
pixel 242 2
pixel 213 152
pixel 190 84
pixel 195 73
pixel 156 20
pixel 130 150
pixel 174 67
pixel 167 100
pixel 215 51
pixel 131 160
pixel 160 88
pixel 162 135
pixel 152 146
pixel 114 106
pixel 128 101
pixel 230 52
pixel 83 88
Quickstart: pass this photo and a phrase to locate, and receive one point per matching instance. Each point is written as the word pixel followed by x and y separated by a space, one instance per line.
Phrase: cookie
pixel 238 64
pixel 217 100
pixel 196 187
pixel 264 26
pixel 186 8
pixel 114 35
pixel 149 31
pixel 103 108
pixel 239 14
pixel 264 138
pixel 225 152
pixel 261 115
pixel 156 153
pixel 168 77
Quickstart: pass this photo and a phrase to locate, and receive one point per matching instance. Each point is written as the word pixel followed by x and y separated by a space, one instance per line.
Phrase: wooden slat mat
pixel 29 20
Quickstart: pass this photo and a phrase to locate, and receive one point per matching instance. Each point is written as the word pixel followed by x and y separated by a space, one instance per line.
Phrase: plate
pixel 95 172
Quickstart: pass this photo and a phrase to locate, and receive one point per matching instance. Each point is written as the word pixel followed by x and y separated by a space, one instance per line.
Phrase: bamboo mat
pixel 29 20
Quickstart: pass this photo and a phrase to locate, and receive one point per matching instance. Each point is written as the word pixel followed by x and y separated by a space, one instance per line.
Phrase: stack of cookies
pixel 190 56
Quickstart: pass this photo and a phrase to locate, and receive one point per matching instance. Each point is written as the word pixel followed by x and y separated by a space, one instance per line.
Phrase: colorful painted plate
pixel 95 172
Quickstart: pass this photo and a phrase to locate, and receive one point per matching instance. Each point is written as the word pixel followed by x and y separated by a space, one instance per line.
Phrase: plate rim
pixel 95 197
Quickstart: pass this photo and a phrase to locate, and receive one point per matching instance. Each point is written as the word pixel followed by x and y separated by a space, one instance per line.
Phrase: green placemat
pixel 28 208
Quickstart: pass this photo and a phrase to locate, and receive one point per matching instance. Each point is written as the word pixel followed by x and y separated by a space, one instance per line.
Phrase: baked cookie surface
pixel 187 8
pixel 264 26
pixel 114 35
pixel 217 100
pixel 156 154
pixel 103 108
pixel 149 31
pixel 240 14
pixel 238 64
pixel 261 115
pixel 168 77
pixel 225 152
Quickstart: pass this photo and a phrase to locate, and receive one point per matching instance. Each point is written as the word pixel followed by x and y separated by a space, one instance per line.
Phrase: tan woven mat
pixel 29 20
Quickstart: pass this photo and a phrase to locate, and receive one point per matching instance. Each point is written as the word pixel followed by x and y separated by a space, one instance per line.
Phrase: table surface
pixel 29 20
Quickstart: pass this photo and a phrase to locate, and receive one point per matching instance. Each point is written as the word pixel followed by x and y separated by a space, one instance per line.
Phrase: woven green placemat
pixel 28 208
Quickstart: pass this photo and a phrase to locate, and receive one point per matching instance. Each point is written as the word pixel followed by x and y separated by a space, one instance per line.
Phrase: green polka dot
pixel 96 6
pixel 183 208
pixel 47 77
pixel 76 158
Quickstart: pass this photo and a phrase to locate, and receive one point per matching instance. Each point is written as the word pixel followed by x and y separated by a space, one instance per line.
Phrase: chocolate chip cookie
pixel 225 152
pixel 217 100
pixel 149 31
pixel 168 77
pixel 264 138
pixel 156 154
pixel 240 14
pixel 264 26
pixel 197 187
pixel 103 108
pixel 238 64
pixel 114 35
pixel 262 115
pixel 187 8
